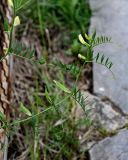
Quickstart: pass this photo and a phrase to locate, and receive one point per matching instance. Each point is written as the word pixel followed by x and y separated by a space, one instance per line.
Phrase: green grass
pixel 62 18
pixel 52 135
pixel 55 130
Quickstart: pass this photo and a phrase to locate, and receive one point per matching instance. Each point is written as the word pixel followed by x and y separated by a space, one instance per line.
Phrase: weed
pixel 48 120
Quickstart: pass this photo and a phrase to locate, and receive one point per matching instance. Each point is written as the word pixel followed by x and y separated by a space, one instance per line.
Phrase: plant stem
pixel 10 44
pixel 12 27
pixel 38 114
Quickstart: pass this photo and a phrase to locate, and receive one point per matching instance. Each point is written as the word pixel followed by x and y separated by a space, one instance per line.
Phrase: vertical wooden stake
pixel 4 74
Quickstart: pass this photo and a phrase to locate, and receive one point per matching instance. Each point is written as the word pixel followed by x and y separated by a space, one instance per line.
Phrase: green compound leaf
pixel 20 50
pixel 71 68
pixel 79 98
pixel 19 4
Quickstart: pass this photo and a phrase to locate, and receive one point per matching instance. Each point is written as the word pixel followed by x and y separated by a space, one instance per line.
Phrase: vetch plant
pixel 18 49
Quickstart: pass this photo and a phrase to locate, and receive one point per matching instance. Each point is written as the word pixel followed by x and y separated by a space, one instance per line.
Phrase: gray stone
pixel 102 113
pixel 110 17
pixel 111 148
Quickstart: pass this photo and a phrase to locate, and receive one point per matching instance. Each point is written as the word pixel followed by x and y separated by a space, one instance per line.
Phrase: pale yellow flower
pixel 10 3
pixel 81 57
pixel 81 39
pixel 16 21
